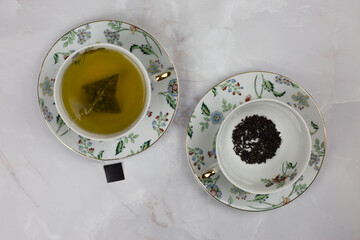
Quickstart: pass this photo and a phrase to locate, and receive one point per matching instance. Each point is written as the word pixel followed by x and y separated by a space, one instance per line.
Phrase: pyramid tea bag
pixel 101 95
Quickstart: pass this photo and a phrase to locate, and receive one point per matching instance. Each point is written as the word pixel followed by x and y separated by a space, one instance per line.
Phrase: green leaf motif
pixel 56 58
pixel 64 38
pixel 100 155
pixel 322 144
pixel 59 122
pixel 294 85
pixel 190 131
pixel 65 44
pixel 145 145
pixel 276 94
pixel 300 188
pixel 214 91
pixel 133 47
pixel 269 86
pixel 120 146
pixel 230 200
pixel 317 141
pixel 145 49
pixel 171 101
pixel 315 127
pixel 205 110
pixel 260 198
pixel 41 102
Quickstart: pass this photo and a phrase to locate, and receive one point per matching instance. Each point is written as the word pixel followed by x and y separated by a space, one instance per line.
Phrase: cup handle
pixel 160 77
pixel 212 171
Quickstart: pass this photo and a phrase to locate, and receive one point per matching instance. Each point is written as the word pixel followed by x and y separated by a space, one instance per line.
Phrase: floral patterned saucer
pixel 218 103
pixel 149 51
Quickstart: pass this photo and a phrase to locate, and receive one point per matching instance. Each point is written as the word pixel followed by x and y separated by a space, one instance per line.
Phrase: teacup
pixel 146 81
pixel 278 172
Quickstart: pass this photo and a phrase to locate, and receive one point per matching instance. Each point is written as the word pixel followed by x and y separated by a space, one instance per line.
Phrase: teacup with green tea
pixel 103 91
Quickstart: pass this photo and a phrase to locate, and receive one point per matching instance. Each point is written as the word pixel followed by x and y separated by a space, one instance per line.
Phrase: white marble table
pixel 49 192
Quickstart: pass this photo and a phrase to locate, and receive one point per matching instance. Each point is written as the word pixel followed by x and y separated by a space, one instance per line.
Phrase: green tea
pixel 103 91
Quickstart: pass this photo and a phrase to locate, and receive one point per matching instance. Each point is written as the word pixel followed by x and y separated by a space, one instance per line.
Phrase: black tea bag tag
pixel 114 172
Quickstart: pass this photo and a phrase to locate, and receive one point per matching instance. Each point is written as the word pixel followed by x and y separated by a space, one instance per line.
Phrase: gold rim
pixel 171 62
pixel 263 210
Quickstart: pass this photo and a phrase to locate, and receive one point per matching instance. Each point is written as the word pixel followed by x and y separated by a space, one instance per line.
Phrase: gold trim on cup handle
pixel 162 76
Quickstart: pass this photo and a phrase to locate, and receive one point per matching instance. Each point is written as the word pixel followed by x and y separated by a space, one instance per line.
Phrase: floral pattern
pixel 197 156
pixel 85 146
pixel 112 37
pixel 280 180
pixel 201 135
pixel 211 186
pixel 283 80
pixel 82 36
pixel 47 86
pixel 301 100
pixel 216 117
pixel 262 199
pixel 171 94
pixel 231 86
pixel 314 160
pixel 266 85
pixel 64 54
pixel 149 51
pixel 155 67
pixel 45 111
pixel 160 122
pixel 239 194
pixel 123 141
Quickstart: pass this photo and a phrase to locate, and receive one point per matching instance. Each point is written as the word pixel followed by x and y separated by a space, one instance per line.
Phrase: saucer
pixel 216 105
pixel 164 94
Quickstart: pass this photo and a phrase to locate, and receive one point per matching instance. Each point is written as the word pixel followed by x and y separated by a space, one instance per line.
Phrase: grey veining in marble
pixel 49 192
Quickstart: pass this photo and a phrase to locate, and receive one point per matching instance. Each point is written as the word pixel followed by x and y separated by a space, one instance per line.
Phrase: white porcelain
pixel 58 92
pixel 295 148
pixel 212 110
pixel 151 54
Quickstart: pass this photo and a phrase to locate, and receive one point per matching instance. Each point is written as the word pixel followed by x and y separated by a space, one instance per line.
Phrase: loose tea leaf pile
pixel 256 139
pixel 101 95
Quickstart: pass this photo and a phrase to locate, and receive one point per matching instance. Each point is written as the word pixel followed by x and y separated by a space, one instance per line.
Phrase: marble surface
pixel 49 192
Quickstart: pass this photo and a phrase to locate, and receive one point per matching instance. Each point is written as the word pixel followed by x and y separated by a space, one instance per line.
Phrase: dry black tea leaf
pixel 101 95
pixel 256 139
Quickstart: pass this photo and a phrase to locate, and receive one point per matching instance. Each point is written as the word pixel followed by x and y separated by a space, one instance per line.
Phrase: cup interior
pixel 295 148
pixel 58 92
